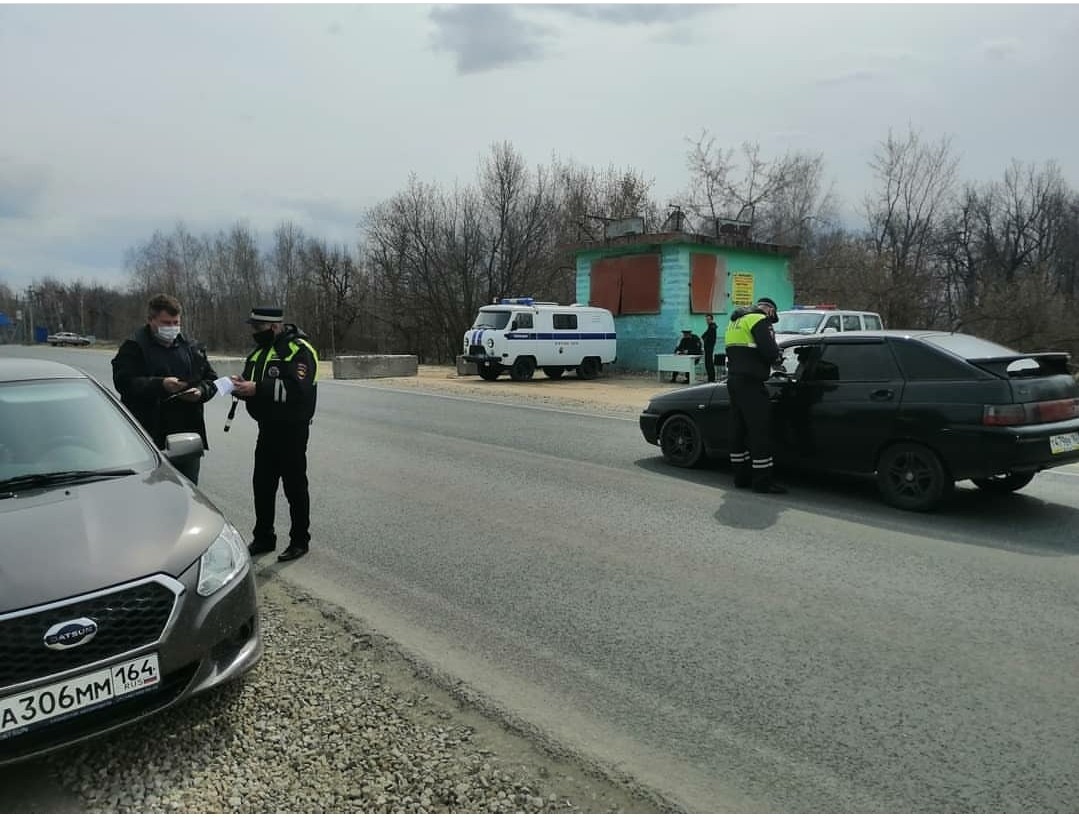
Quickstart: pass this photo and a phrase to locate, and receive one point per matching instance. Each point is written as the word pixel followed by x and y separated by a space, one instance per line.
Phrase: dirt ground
pixel 622 393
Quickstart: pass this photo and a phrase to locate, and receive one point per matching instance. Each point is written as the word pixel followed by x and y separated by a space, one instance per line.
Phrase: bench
pixel 680 364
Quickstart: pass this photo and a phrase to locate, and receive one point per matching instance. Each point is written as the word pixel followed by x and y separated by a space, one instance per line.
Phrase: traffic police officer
pixel 751 353
pixel 279 388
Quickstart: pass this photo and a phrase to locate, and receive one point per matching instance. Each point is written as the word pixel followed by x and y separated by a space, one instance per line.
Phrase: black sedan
pixel 919 410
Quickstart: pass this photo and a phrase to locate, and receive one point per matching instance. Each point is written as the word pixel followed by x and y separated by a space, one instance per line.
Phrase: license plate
pixel 34 707
pixel 1063 443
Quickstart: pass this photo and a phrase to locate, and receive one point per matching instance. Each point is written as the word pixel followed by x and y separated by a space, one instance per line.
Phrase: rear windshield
pixel 970 347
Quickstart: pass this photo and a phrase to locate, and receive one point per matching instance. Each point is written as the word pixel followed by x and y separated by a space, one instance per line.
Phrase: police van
pixel 520 335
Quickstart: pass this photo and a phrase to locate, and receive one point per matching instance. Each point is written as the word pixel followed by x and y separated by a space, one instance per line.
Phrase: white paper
pixel 224 385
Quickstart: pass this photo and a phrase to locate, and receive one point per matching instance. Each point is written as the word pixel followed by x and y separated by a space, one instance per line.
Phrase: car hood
pixel 701 392
pixel 75 539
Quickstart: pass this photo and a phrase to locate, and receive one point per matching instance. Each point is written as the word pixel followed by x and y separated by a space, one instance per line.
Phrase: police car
pixel 819 319
pixel 520 335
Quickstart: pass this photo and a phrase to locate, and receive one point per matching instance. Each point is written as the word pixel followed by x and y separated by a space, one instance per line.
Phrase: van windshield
pixel 491 319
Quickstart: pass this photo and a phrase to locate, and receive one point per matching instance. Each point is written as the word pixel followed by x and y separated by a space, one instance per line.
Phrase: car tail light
pixel 1018 414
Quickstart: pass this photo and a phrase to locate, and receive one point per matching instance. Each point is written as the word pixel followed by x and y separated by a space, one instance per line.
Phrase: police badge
pixel 273 371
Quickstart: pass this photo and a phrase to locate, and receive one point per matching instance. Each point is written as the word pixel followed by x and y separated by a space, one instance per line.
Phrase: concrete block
pixel 360 367
pixel 466 366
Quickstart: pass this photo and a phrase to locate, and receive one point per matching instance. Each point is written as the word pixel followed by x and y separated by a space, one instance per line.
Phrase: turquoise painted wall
pixel 642 337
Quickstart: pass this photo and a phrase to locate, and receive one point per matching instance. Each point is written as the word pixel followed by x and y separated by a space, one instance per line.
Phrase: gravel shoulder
pixel 337 719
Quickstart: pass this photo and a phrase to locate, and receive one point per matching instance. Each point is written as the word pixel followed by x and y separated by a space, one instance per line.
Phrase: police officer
pixel 164 378
pixel 279 388
pixel 751 353
pixel 709 341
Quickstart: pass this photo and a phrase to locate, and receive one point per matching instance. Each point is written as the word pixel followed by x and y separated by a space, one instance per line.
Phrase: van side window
pixel 851 323
pixel 871 322
pixel 524 320
pixel 562 321
pixel 831 323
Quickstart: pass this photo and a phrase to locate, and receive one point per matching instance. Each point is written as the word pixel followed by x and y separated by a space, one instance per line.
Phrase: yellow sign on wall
pixel 742 288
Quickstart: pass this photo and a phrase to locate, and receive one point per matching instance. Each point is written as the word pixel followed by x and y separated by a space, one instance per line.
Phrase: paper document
pixel 224 385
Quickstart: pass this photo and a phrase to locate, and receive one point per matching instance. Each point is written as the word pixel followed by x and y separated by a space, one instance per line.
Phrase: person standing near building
pixel 165 378
pixel 279 388
pixel 751 354
pixel 708 339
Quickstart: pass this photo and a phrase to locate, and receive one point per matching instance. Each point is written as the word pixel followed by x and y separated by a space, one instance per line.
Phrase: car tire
pixel 489 371
pixel 522 369
pixel 589 369
pixel 554 372
pixel 680 441
pixel 1004 483
pixel 911 477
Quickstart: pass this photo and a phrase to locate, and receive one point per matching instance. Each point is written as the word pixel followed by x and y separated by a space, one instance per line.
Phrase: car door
pixel 843 406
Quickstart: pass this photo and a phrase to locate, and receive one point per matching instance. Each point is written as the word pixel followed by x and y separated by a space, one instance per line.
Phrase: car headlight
pixel 222 561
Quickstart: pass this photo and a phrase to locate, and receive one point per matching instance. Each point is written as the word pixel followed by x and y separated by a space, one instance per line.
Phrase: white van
pixel 822 318
pixel 520 335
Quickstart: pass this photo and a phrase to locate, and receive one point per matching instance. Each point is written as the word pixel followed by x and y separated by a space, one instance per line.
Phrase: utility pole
pixel 30 306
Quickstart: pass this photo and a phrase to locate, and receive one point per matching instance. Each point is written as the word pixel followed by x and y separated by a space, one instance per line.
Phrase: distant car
pixel 820 319
pixel 919 410
pixel 68 339
pixel 123 590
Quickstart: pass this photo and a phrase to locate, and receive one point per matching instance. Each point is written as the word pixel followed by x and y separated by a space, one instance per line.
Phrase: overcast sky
pixel 119 120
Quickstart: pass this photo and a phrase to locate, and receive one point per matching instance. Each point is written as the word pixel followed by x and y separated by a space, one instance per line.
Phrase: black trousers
pixel 710 363
pixel 281 456
pixel 750 429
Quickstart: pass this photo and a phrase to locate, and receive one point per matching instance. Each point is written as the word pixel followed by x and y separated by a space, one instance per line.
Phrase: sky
pixel 120 120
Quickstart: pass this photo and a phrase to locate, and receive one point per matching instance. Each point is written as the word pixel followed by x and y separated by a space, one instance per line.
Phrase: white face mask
pixel 168 333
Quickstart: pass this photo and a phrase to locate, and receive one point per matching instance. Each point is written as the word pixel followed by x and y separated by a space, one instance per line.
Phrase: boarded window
pixel 628 285
pixel 561 321
pixel 708 283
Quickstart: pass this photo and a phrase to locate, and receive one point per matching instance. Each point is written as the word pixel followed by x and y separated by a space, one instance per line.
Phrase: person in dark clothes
pixel 164 378
pixel 279 388
pixel 708 339
pixel 688 344
pixel 751 354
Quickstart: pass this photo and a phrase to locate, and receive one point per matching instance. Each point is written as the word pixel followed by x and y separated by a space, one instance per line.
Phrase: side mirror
pixel 828 330
pixel 181 446
pixel 513 326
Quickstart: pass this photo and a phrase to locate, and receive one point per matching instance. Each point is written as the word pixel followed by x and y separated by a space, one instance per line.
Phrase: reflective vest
pixel 259 372
pixel 740 332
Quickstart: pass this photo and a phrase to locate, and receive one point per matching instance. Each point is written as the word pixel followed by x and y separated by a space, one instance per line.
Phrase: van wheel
pixel 490 371
pixel 554 372
pixel 1004 483
pixel 912 477
pixel 589 368
pixel 523 368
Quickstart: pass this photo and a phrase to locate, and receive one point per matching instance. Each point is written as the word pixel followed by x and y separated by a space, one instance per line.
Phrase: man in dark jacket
pixel 279 388
pixel 164 378
pixel 751 354
pixel 708 339
pixel 688 344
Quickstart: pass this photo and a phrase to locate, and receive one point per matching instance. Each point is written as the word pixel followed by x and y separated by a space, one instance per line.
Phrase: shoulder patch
pixel 301 370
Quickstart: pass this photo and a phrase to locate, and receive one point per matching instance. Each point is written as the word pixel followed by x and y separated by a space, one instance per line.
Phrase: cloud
pixel 21 188
pixel 487 36
pixel 848 78
pixel 629 14
pixel 1000 49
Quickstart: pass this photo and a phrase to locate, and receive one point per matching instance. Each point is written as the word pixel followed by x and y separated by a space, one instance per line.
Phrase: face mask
pixel 263 338
pixel 167 333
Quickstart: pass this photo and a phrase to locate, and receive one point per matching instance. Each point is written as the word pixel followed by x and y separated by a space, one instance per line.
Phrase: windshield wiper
pixel 50 478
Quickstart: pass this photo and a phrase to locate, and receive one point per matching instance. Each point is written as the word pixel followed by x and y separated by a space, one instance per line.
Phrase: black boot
pixel 764 484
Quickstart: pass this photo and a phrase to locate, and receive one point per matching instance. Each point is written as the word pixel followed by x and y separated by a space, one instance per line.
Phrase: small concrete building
pixel 661 283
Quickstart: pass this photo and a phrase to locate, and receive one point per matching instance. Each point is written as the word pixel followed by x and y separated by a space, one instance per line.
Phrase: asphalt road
pixel 811 652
